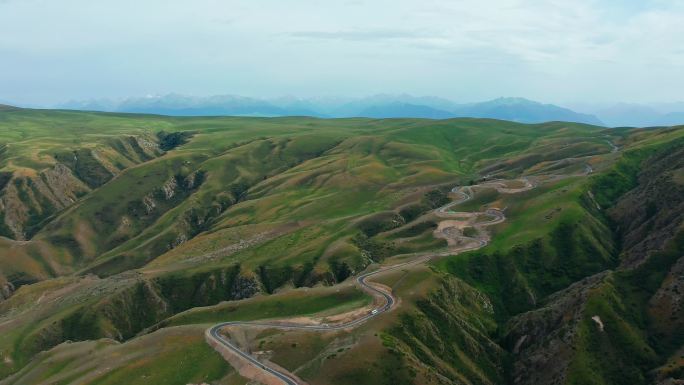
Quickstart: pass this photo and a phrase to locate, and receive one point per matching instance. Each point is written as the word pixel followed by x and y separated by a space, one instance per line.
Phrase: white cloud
pixel 556 50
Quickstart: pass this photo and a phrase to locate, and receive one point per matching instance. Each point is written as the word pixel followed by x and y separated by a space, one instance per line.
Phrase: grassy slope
pixel 360 167
pixel 375 162
pixel 141 361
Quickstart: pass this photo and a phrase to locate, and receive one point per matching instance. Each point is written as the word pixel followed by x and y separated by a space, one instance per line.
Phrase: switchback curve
pixel 465 193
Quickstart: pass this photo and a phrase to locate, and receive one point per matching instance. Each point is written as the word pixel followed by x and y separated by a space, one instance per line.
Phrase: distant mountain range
pixel 640 115
pixel 6 107
pixel 378 106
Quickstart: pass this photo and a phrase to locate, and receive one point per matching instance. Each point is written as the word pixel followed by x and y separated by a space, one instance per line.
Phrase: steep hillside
pixel 32 192
pixel 622 325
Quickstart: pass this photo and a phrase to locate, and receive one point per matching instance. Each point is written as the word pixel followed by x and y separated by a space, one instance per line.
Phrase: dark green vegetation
pixel 130 232
pixel 622 325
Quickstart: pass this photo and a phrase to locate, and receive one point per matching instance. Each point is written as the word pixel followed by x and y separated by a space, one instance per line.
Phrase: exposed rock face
pixel 194 179
pixel 652 213
pixel 234 287
pixel 146 144
pixel 62 187
pixel 542 340
pixel 549 341
pixel 667 305
pixel 14 213
pixel 149 204
pixel 169 188
pixel 6 290
pixel 245 287
pixel 27 197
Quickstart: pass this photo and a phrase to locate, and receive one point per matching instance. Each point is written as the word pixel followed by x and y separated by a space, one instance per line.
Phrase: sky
pixel 557 51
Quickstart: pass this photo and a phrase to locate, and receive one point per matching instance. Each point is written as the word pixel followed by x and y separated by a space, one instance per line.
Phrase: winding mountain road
pixel 465 193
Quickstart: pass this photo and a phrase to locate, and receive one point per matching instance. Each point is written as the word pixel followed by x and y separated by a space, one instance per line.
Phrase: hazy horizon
pixel 561 52
pixel 615 113
pixel 663 106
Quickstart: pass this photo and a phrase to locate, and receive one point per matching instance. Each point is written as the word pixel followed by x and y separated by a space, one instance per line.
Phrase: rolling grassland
pixel 123 237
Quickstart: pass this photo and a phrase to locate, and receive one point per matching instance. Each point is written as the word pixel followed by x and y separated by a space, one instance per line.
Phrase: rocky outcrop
pixel 149 204
pixel 649 215
pixel 169 188
pixel 175 186
pixel 245 287
pixel 6 290
pixel 542 341
pixel 666 307
pixel 65 188
pixel 28 197
pixel 617 326
pixel 194 179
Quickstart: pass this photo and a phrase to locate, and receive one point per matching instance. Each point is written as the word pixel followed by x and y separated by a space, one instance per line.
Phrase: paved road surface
pixel 465 193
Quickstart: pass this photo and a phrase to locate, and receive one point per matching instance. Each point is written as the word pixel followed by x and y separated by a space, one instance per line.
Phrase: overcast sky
pixel 468 50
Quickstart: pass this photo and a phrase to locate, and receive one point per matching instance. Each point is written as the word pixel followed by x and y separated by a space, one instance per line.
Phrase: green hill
pixel 124 234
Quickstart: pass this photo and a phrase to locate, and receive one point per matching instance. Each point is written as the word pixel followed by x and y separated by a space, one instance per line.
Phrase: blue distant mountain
pixel 524 111
pixel 514 109
pixel 639 115
pixel 404 110
pixel 180 105
pixel 378 106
